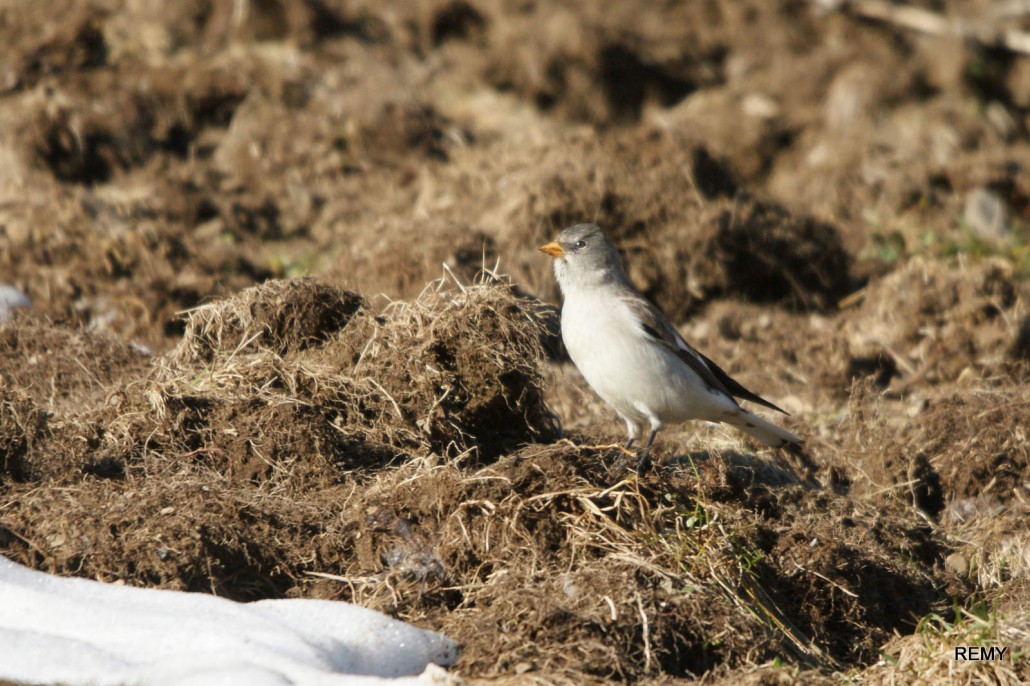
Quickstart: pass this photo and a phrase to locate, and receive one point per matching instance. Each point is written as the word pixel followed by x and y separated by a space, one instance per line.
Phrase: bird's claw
pixel 644 463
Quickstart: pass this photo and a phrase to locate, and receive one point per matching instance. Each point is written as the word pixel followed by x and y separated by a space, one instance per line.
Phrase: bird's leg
pixel 632 432
pixel 644 464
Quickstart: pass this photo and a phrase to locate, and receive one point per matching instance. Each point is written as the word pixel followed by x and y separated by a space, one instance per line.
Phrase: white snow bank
pixel 11 299
pixel 76 631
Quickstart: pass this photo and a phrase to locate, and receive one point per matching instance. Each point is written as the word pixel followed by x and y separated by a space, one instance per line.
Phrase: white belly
pixel 641 379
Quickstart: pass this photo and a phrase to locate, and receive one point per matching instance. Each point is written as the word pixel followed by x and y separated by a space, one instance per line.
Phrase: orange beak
pixel 553 249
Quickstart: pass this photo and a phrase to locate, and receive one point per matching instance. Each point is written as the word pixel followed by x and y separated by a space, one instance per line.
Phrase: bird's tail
pixel 766 432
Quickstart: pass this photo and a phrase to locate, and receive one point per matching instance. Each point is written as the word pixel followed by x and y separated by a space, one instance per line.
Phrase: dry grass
pixel 299 442
pixel 789 187
pixel 554 545
pixel 539 538
pixel 928 656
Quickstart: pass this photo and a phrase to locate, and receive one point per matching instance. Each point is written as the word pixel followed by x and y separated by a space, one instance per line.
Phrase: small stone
pixel 1018 83
pixel 1001 120
pixel 985 214
pixel 850 98
pixel 968 376
pixel 760 106
pixel 569 586
pixel 957 564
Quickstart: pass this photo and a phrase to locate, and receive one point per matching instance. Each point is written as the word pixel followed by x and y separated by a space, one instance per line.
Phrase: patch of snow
pixel 11 299
pixel 77 631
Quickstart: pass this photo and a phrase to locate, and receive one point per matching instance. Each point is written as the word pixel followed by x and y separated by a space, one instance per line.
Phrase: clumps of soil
pixel 109 264
pixel 929 655
pixel 179 526
pixel 957 454
pixel 963 454
pixel 465 369
pixel 767 254
pixel 304 368
pixel 76 43
pixel 299 442
pixel 64 366
pixel 582 572
pixel 278 317
pixel 742 247
pixel 288 391
pixel 584 65
pixel 687 231
pixel 89 130
pixel 992 460
pixel 929 322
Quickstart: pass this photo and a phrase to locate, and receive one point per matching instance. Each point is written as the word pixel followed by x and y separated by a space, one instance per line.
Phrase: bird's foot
pixel 644 463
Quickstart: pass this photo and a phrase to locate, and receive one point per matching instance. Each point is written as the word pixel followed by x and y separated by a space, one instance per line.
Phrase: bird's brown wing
pixel 657 327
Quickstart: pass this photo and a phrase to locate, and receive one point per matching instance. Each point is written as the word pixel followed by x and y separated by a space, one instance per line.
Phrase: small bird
pixel 633 357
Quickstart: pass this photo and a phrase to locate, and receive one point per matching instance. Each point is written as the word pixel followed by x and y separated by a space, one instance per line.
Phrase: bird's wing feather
pixel 658 328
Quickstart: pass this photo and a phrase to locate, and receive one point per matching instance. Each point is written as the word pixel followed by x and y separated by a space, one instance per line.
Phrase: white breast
pixel 605 343
pixel 637 376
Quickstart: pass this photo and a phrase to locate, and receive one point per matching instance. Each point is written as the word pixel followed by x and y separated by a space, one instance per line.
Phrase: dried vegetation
pixel 805 194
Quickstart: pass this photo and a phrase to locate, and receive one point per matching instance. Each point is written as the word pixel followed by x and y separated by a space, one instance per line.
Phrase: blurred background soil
pixel 828 201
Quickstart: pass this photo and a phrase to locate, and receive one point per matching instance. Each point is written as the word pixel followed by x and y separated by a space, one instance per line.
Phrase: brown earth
pixel 835 209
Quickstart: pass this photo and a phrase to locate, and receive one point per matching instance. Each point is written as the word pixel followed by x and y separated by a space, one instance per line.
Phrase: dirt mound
pixel 109 263
pixel 688 232
pixel 930 322
pixel 450 372
pixel 992 460
pixel 556 550
pixel 960 458
pixel 740 247
pixel 279 391
pixel 183 528
pixel 447 373
pixel 768 255
pixel 564 557
pixel 61 366
pixel 833 208
pixel 295 429
pixel 962 452
pixel 935 410
pixel 277 317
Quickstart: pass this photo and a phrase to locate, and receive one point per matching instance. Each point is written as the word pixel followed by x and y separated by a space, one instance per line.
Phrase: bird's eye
pixel 580 245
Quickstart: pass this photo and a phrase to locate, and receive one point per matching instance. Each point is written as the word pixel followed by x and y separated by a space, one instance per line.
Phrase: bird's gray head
pixel 583 256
